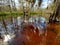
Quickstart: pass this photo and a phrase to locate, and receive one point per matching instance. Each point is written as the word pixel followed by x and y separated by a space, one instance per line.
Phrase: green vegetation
pixel 14 14
pixel 21 13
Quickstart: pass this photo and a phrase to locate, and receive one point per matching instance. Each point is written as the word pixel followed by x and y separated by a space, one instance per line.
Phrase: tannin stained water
pixel 30 35
pixel 33 34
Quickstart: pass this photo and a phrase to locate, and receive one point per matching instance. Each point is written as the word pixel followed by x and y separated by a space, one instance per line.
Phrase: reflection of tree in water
pixel 28 35
pixel 31 35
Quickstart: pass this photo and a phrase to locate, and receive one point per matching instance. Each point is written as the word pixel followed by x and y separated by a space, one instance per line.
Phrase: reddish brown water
pixel 30 37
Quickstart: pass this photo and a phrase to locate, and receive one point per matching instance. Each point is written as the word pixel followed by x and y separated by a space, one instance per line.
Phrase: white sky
pixel 45 3
pixel 17 2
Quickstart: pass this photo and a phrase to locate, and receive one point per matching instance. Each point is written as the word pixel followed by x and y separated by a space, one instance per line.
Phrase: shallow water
pixel 29 33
